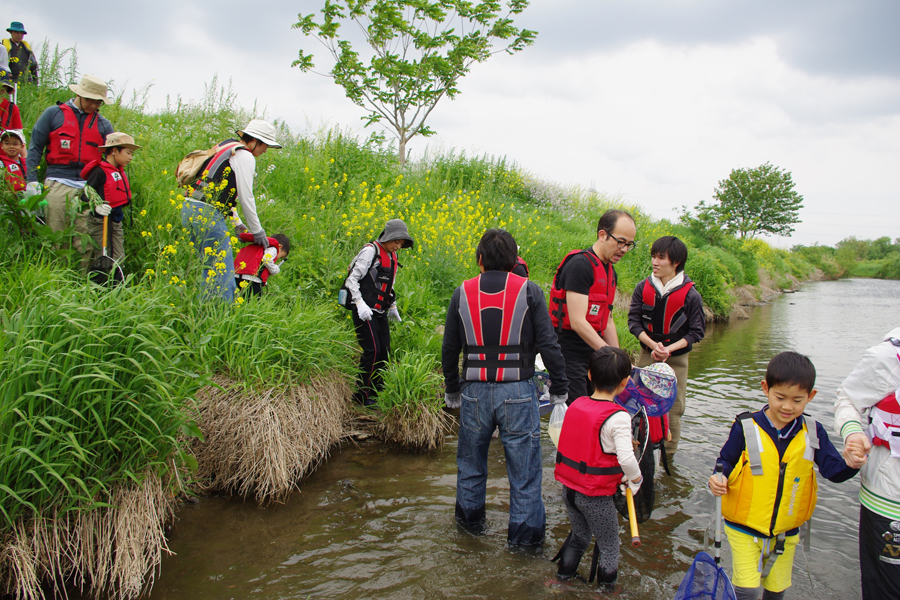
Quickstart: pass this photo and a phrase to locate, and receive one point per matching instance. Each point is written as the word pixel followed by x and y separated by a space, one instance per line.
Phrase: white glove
pixel 103 210
pixel 260 238
pixel 561 399
pixel 394 314
pixel 364 312
pixel 633 486
pixel 453 400
pixel 33 189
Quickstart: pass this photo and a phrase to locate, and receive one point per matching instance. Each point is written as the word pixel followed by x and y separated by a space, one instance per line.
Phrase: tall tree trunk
pixel 401 150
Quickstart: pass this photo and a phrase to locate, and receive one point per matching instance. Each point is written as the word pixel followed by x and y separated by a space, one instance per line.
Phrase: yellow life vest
pixel 7 43
pixel 769 495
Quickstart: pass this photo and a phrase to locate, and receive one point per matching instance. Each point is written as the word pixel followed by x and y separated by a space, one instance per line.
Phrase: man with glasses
pixel 72 134
pixel 582 296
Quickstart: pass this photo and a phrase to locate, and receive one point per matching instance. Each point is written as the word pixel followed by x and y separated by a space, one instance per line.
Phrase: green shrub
pixel 734 273
pixel 411 381
pixel 890 269
pixel 706 271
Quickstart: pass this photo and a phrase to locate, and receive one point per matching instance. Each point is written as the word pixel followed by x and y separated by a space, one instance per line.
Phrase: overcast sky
pixel 652 100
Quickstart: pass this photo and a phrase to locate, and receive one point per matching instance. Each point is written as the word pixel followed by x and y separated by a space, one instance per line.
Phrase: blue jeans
pixel 209 229
pixel 513 406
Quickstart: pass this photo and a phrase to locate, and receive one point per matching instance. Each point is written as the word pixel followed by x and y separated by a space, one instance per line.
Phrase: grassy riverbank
pixel 142 388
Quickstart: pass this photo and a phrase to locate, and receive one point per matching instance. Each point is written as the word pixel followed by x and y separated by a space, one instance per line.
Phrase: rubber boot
pixel 569 557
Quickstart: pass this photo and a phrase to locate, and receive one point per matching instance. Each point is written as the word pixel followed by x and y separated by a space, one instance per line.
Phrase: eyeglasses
pixel 621 242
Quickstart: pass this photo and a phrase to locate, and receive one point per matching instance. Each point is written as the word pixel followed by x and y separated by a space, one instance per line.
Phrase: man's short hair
pixel 497 250
pixel 791 368
pixel 673 249
pixel 610 218
pixel 608 367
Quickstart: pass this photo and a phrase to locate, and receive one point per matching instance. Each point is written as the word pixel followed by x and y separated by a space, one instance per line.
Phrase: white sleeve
pixel 359 270
pixel 616 436
pixel 243 163
pixel 269 260
pixel 876 376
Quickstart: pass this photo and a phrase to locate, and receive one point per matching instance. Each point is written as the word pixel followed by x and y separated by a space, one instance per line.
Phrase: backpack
pixel 191 166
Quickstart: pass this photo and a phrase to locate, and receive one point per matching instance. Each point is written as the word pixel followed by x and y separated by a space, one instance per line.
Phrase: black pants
pixel 577 354
pixel 879 555
pixel 374 336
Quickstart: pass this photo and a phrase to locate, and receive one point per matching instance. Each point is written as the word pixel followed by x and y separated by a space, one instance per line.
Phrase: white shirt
pixel 243 163
pixel 615 436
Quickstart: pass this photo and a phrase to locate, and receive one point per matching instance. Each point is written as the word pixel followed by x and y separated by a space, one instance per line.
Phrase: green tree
pixel 420 50
pixel 752 201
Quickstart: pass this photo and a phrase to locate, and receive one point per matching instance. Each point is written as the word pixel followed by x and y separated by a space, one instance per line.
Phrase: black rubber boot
pixel 569 557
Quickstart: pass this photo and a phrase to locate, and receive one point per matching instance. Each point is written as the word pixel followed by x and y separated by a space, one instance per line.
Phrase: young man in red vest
pixel 666 315
pixel 867 414
pixel 499 321
pixel 582 296
pixel 72 134
pixel 107 177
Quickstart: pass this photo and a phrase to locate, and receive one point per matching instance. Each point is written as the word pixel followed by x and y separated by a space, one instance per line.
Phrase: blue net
pixel 705 580
pixel 652 387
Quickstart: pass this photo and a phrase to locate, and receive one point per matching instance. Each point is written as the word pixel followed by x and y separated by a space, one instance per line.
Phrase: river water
pixel 374 523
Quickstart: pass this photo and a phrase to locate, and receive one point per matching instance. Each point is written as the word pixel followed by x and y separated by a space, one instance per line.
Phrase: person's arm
pixel 96 180
pixel 360 269
pixel 244 166
pixel 693 308
pixel 728 458
pixel 831 464
pixel 40 136
pixel 617 429
pixel 610 335
pixel 546 342
pixel 451 346
pixel 635 311
pixel 269 260
pixel 578 306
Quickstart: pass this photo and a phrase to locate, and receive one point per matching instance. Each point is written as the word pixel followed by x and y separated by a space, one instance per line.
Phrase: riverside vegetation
pixel 115 402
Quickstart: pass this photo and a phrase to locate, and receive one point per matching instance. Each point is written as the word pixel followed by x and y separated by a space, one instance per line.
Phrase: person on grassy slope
pixel 370 283
pixel 71 133
pixel 499 321
pixel 867 414
pixel 582 296
pixel 108 180
pixel 666 315
pixel 11 143
pixel 254 264
pixel 771 486
pixel 226 181
pixel 22 63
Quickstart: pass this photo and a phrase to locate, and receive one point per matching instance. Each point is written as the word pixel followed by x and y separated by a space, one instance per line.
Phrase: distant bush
pixel 734 274
pixel 706 271
pixel 891 267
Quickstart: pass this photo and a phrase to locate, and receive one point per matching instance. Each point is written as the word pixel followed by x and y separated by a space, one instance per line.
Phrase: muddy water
pixel 372 523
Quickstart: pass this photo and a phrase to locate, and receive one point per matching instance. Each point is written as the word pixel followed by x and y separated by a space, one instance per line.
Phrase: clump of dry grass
pixel 420 428
pixel 260 443
pixel 111 551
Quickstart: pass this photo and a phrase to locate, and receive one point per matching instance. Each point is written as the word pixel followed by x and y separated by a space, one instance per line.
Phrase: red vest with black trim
pixel 249 260
pixel 581 463
pixel 75 143
pixel 884 422
pixel 9 115
pixel 377 289
pixel 664 317
pixel 494 325
pixel 116 189
pixel 600 296
pixel 15 172
pixel 217 172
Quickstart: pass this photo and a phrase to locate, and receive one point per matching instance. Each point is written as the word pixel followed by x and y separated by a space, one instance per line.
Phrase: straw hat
pixel 117 139
pixel 395 229
pixel 91 87
pixel 261 130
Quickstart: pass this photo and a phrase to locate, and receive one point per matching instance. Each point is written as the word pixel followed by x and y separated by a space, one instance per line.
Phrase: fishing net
pixel 645 497
pixel 705 580
pixel 653 387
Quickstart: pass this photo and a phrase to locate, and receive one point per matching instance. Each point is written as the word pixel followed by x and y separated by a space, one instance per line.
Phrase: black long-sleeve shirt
pixel 536 329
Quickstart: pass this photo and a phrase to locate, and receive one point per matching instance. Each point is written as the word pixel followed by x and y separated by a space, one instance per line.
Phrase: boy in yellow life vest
pixel 771 487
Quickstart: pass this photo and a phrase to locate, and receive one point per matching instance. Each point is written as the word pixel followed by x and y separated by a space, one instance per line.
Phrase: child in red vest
pixel 253 264
pixel 12 142
pixel 108 179
pixel 595 455
pixel 9 112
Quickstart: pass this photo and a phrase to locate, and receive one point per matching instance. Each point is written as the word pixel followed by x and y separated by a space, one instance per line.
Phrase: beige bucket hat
pixel 117 139
pixel 261 130
pixel 91 87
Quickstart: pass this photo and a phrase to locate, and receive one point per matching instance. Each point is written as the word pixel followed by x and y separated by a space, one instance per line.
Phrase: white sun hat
pixel 261 130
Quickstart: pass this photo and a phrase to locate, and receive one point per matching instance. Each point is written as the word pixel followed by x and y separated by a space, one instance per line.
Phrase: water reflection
pixel 377 524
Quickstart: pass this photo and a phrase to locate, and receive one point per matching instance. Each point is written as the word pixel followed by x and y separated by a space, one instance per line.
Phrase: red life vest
pixel 664 318
pixel 486 356
pixel 659 428
pixel 15 172
pixel 249 260
pixel 73 143
pixel 600 296
pixel 884 422
pixel 377 290
pixel 9 115
pixel 581 463
pixel 116 189
pixel 213 171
